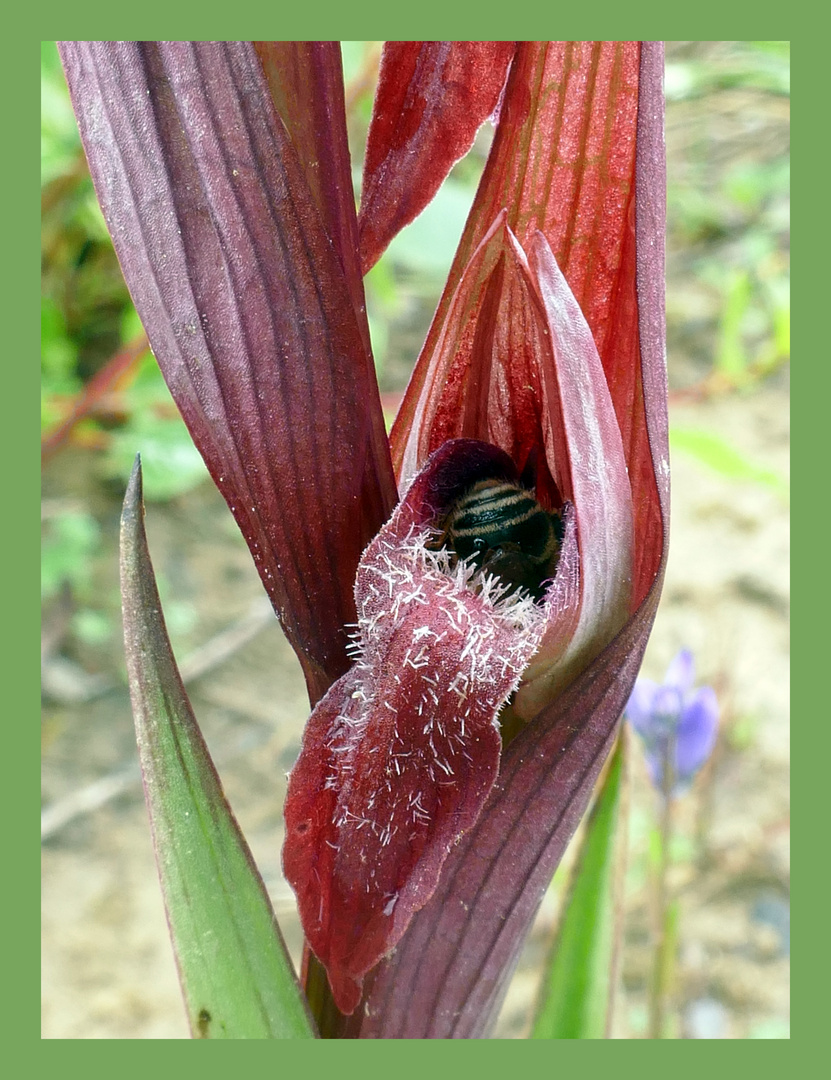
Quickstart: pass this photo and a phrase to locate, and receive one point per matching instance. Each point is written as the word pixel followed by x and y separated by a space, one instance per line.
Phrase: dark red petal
pixel 400 755
pixel 518 360
pixel 600 490
pixel 648 454
pixel 492 374
pixel 563 163
pixel 306 83
pixel 448 974
pixel 248 312
pixel 432 98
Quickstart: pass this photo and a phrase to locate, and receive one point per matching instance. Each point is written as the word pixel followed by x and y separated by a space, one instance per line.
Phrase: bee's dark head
pixel 516 569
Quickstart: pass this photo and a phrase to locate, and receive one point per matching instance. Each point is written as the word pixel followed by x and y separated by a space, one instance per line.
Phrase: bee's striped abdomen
pixel 503 529
pixel 493 511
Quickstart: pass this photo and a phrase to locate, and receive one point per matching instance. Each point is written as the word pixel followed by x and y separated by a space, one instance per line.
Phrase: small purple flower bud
pixel 678 725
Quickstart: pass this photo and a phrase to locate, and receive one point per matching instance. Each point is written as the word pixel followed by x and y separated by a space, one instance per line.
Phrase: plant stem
pixel 664 918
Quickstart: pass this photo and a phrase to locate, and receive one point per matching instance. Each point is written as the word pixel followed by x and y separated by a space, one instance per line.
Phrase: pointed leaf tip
pixel 213 892
pixel 134 493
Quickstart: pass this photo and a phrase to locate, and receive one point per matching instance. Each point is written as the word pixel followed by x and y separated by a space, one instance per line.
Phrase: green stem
pixel 664 916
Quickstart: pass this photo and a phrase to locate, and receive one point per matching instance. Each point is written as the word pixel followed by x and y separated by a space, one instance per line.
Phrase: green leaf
pixel 67 551
pixel 575 1000
pixel 710 449
pixel 236 975
pixel 731 355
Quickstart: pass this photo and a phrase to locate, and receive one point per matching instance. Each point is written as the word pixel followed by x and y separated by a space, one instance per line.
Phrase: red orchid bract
pixel 399 757
pixel 223 172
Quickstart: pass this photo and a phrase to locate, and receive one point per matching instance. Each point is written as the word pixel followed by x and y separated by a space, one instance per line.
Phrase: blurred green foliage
pixel 171 464
pixel 59 361
pixel 66 552
pixel 716 453
pixel 87 317
pixel 84 296
pixel 728 298
pixel 60 143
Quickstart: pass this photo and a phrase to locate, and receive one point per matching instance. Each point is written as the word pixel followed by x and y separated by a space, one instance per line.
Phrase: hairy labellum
pixel 400 755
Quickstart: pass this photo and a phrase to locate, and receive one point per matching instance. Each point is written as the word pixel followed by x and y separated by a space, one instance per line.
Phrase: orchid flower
pixel 677 724
pixel 453 747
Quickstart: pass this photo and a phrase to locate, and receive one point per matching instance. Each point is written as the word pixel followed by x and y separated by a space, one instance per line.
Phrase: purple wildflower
pixel 678 725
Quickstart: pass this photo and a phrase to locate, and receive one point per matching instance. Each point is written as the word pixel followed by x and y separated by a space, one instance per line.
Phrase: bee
pixel 500 528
